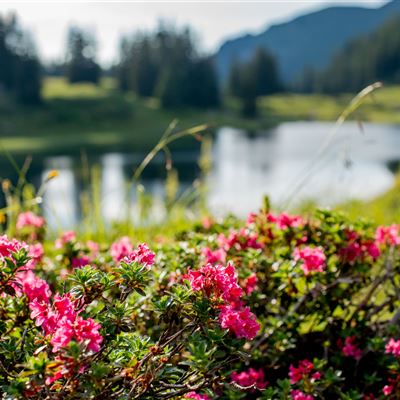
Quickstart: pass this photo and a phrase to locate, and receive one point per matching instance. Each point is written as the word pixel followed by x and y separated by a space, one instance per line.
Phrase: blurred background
pixel 88 89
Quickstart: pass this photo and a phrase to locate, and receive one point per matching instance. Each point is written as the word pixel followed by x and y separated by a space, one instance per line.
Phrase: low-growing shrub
pixel 279 307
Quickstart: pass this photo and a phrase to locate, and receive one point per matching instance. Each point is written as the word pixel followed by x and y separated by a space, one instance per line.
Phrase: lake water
pixel 287 163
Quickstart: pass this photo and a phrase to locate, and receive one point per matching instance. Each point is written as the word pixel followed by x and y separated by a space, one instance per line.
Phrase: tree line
pixel 20 71
pixel 167 64
pixel 369 58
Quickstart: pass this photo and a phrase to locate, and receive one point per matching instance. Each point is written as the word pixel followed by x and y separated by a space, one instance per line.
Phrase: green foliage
pixel 165 64
pixel 20 70
pixel 162 336
pixel 258 77
pixel 367 59
pixel 80 60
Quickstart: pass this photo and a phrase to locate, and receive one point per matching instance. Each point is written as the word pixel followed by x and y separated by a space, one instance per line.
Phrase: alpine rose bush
pixel 279 307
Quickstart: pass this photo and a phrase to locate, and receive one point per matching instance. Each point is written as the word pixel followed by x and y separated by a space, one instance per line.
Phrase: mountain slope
pixel 308 40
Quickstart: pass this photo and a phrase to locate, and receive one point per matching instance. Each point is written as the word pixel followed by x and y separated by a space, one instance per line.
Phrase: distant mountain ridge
pixel 306 41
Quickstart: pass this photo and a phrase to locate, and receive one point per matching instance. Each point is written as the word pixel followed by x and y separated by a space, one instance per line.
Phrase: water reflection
pixel 60 201
pixel 113 189
pixel 246 167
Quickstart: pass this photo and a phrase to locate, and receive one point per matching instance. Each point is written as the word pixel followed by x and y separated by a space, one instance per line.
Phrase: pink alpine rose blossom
pixel 372 249
pixel 387 390
pixel 62 323
pixel 216 280
pixel 29 219
pixel 87 330
pixel 251 377
pixel 241 322
pixel 312 258
pixel 393 347
pixel 250 284
pixel 239 240
pixel 34 287
pixel 142 255
pixel 7 246
pixel 36 253
pixel 387 235
pixel 213 256
pixel 207 222
pixel 43 316
pixel 121 248
pixel 299 395
pixel 285 221
pixel 66 237
pixel 79 262
pixel 350 349
pixel 93 247
pixel 196 396
pixel 63 334
pixel 303 370
pixel 251 218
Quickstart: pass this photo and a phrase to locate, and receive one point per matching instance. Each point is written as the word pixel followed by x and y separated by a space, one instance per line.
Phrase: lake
pixel 293 162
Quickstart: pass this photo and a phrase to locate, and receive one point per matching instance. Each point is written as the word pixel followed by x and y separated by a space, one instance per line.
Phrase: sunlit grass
pixel 382 107
pixel 59 87
pixel 76 116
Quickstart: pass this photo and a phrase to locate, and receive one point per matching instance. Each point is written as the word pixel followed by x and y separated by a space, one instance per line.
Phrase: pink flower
pixel 43 315
pixel 387 390
pixel 88 331
pixel 250 284
pixel 285 221
pixel 251 377
pixel 34 287
pixel 302 371
pixel 93 247
pixel 62 323
pixel 207 222
pixel 65 308
pixel 7 247
pixel 196 396
pixel 299 395
pixel 142 255
pixel 350 349
pixel 251 218
pixel 65 367
pixel 351 252
pixel 241 322
pixel 239 240
pixel 359 248
pixel 212 257
pixel 121 248
pixel 79 262
pixel 372 249
pixel 36 253
pixel 313 259
pixel 63 334
pixel 49 317
pixel 55 377
pixel 387 235
pixel 316 376
pixel 216 280
pixel 393 347
pixel 66 237
pixel 29 219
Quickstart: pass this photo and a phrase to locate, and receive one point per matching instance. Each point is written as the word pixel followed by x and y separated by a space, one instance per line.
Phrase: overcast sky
pixel 213 21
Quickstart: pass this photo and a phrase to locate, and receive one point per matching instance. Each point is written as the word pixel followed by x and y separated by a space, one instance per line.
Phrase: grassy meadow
pixel 101 118
pixel 84 116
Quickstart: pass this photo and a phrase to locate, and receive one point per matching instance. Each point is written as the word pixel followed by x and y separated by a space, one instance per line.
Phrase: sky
pixel 213 21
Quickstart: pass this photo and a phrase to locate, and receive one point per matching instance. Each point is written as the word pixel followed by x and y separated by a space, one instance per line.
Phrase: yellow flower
pixel 52 174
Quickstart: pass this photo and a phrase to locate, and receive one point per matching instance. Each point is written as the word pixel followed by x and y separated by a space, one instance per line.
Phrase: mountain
pixel 306 41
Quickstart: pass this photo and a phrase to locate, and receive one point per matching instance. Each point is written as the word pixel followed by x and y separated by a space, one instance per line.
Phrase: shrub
pixel 281 307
